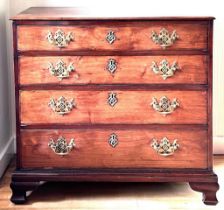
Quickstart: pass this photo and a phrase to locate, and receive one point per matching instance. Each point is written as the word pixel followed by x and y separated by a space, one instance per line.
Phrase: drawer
pixel 130 36
pixel 109 148
pixel 113 70
pixel 113 106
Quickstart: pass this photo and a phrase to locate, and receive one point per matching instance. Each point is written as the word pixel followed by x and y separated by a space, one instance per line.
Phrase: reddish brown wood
pixel 133 150
pixel 19 190
pixel 132 37
pixel 118 175
pixel 118 126
pixel 23 181
pixel 16 78
pixel 208 189
pixel 110 87
pixel 201 44
pixel 130 70
pixel 210 80
pixel 75 13
pixel 113 53
pixel 132 107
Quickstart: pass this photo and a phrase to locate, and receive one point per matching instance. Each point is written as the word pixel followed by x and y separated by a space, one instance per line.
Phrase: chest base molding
pixel 202 181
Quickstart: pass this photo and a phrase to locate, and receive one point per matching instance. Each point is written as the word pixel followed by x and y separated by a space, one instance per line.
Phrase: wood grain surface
pixel 130 70
pixel 113 196
pixel 132 119
pixel 92 149
pixel 133 107
pixel 94 13
pixel 129 36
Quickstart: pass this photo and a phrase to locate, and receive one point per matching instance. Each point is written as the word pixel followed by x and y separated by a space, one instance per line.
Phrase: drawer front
pixel 113 107
pixel 92 149
pixel 113 70
pixel 125 36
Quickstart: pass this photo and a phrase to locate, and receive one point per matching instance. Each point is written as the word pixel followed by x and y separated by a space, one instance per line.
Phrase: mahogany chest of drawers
pixel 112 99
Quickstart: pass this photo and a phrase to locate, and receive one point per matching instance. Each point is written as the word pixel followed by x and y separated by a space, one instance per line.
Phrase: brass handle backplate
pixel 111 65
pixel 59 39
pixel 111 37
pixel 112 99
pixel 61 70
pixel 113 140
pixel 61 106
pixel 164 106
pixel 61 147
pixel 164 147
pixel 164 69
pixel 164 39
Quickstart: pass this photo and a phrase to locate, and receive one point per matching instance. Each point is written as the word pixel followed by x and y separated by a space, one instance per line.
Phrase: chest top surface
pixel 79 13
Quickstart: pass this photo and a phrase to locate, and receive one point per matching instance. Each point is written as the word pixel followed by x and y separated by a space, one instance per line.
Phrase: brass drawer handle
pixel 165 105
pixel 61 70
pixel 164 69
pixel 164 39
pixel 165 148
pixel 111 65
pixel 112 99
pixel 61 147
pixel 61 106
pixel 59 39
pixel 111 37
pixel 113 140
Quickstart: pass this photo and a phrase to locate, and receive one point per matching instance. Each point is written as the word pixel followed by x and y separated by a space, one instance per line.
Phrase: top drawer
pixel 131 36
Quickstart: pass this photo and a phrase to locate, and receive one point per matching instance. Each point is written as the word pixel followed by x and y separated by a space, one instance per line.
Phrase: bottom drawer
pixel 114 148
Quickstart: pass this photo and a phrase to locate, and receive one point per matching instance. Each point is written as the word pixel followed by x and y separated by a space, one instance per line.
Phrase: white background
pixel 9 8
